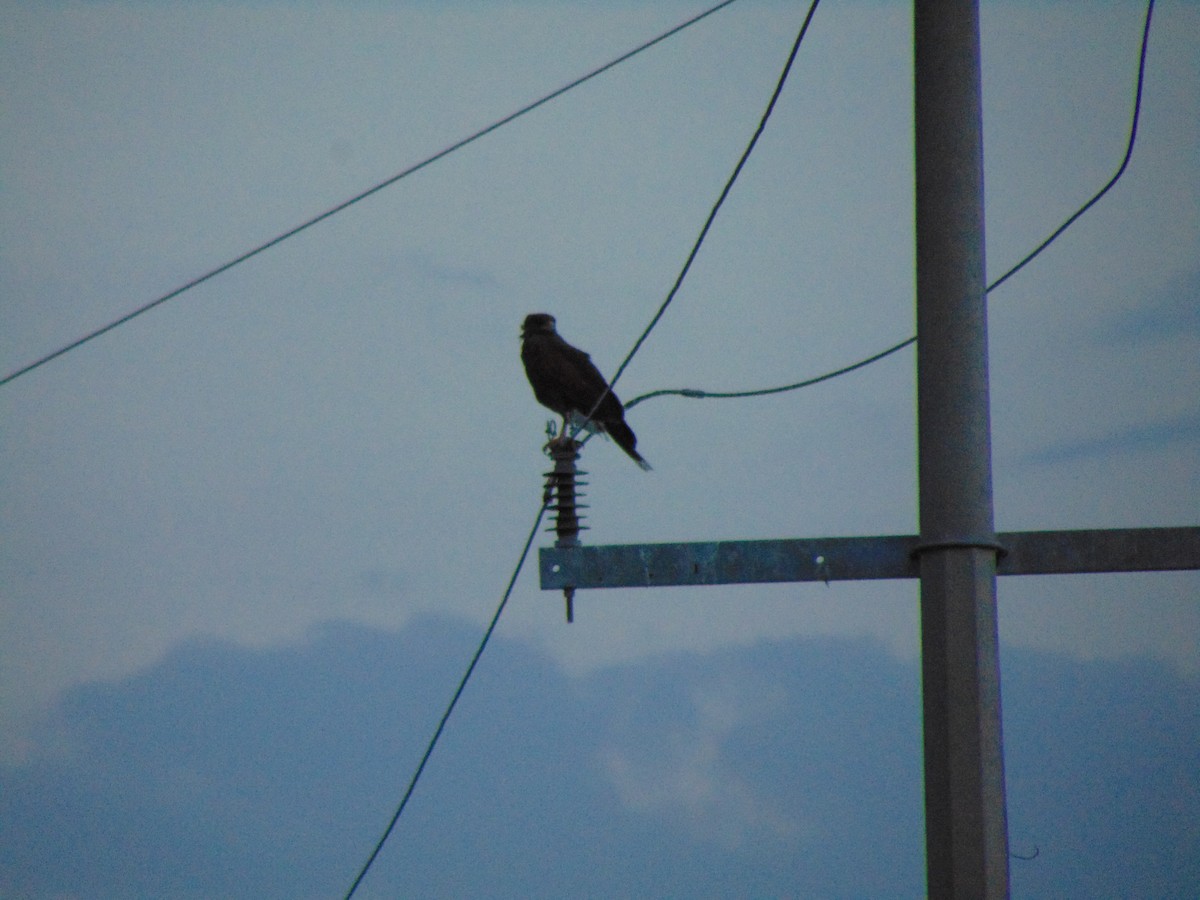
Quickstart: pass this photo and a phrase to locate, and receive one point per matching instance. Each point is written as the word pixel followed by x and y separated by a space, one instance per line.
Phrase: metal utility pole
pixel 966 835
pixel 957 555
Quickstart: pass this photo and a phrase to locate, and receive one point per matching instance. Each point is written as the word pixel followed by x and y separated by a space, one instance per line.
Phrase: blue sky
pixel 339 430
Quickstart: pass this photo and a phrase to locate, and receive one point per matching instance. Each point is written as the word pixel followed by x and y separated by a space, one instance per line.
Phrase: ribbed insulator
pixel 563 493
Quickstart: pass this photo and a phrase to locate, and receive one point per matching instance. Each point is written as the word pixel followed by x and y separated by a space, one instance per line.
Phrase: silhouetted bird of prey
pixel 565 380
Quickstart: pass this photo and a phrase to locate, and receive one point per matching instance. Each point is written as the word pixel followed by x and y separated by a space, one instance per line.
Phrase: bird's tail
pixel 627 441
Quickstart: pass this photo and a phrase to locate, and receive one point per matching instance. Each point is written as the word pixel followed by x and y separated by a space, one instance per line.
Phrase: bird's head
pixel 537 323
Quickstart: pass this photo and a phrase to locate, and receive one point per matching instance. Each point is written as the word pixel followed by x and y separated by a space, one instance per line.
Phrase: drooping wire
pixel 279 239
pixel 487 635
pixel 762 392
pixel 762 124
pixel 546 502
pixel 1133 126
pixel 697 394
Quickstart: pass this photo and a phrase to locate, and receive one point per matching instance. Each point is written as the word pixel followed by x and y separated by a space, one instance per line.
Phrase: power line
pixel 279 239
pixel 1137 111
pixel 487 635
pixel 697 394
pixel 541 512
pixel 762 124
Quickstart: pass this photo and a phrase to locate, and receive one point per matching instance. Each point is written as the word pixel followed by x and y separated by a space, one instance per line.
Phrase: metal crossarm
pixel 858 558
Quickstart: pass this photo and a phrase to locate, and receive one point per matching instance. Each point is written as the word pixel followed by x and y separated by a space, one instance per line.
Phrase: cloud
pixel 1103 770
pixel 690 778
pixel 1146 436
pixel 791 767
pixel 1173 311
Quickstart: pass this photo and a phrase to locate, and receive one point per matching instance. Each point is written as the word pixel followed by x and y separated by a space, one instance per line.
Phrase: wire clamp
pixel 960 544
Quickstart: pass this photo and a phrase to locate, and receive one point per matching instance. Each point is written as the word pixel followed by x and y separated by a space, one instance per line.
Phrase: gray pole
pixel 966 832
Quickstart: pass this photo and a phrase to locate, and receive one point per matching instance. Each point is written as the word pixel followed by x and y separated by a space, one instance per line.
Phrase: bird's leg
pixel 555 437
pixel 562 436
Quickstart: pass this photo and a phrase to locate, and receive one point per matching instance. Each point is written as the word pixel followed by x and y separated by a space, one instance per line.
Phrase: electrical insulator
pixel 561 496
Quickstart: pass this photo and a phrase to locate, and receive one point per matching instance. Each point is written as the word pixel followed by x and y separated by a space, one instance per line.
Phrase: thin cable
pixel 700 395
pixel 212 273
pixel 762 124
pixel 412 784
pixel 1137 109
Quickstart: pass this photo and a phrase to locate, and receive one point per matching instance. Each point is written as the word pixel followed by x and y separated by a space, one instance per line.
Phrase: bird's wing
pixel 568 376
pixel 588 385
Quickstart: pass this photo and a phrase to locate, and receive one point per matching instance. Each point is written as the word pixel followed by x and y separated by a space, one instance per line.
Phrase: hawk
pixel 565 380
